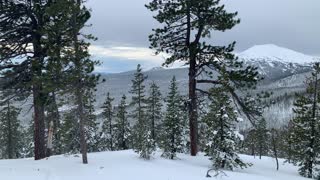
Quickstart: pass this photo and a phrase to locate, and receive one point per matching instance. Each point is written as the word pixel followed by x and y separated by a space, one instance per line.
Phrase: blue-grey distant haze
pixel 126 24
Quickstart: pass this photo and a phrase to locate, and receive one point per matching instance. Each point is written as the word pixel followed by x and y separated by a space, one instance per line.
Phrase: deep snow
pixel 126 165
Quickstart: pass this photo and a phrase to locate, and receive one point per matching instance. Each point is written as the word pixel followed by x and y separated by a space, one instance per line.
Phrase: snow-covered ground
pixel 126 165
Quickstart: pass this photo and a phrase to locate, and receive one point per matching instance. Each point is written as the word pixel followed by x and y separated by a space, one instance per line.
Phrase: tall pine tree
pixel 221 133
pixel 108 124
pixel 143 143
pixel 154 109
pixel 262 137
pixel 10 132
pixel 172 130
pixel 305 128
pixel 186 27
pixel 122 130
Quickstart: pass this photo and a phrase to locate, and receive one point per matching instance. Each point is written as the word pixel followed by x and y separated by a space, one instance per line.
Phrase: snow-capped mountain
pixel 276 62
pixel 272 53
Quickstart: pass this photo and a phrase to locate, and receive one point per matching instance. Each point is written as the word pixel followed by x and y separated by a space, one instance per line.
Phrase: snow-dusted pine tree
pixel 305 128
pixel 221 132
pixel 10 132
pixel 143 143
pixel 172 132
pixel 122 126
pixel 70 129
pixel 108 125
pixel 183 33
pixel 154 112
pixel 303 137
pixel 261 135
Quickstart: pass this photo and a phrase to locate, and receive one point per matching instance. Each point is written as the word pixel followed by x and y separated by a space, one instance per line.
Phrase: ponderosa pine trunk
pixel 79 91
pixel 39 126
pixel 38 101
pixel 193 109
pixel 37 86
pixel 83 143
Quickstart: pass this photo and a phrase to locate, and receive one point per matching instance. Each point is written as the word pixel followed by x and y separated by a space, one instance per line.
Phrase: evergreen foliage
pixel 108 137
pixel 123 129
pixel 172 128
pixel 262 137
pixel 305 128
pixel 143 142
pixel 186 25
pixel 154 110
pixel 11 135
pixel 221 133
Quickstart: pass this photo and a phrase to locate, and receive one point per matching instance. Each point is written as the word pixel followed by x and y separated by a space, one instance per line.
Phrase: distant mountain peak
pixel 271 52
pixel 156 68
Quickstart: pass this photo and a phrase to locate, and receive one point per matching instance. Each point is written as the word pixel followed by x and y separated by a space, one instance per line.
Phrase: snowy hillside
pixel 271 52
pixel 276 62
pixel 125 165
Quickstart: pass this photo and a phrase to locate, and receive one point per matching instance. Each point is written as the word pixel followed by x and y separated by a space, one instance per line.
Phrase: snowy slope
pixel 276 62
pixel 125 165
pixel 273 52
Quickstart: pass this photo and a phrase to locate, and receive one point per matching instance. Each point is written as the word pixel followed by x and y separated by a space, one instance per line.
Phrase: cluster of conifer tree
pixel 44 58
pixel 145 126
pixel 44 55
pixel 297 141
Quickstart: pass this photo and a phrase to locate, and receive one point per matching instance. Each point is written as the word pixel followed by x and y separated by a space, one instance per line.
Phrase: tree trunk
pixel 79 91
pixel 193 107
pixel 275 152
pixel 253 150
pixel 260 151
pixel 37 87
pixel 49 141
pixel 83 143
pixel 153 133
pixel 9 146
pixel 39 126
pixel 110 130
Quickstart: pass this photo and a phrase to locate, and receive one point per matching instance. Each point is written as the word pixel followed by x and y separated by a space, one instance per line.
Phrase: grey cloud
pixel 290 23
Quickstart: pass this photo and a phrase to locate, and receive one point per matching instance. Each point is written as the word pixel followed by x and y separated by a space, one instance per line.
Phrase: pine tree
pixel 275 143
pixel 305 128
pixel 261 134
pixel 143 143
pixel 19 30
pixel 81 80
pixel 154 111
pixel 53 119
pixel 250 142
pixel 221 121
pixel 91 124
pixel 10 132
pixel 70 132
pixel 122 130
pixel 70 128
pixel 108 124
pixel 172 132
pixel 186 25
pixel 28 141
pixel 49 27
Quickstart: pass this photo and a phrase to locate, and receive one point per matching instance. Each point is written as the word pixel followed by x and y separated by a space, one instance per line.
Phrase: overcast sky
pixel 123 26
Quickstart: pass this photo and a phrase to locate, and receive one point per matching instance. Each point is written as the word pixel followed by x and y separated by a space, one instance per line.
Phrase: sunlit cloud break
pixel 128 53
